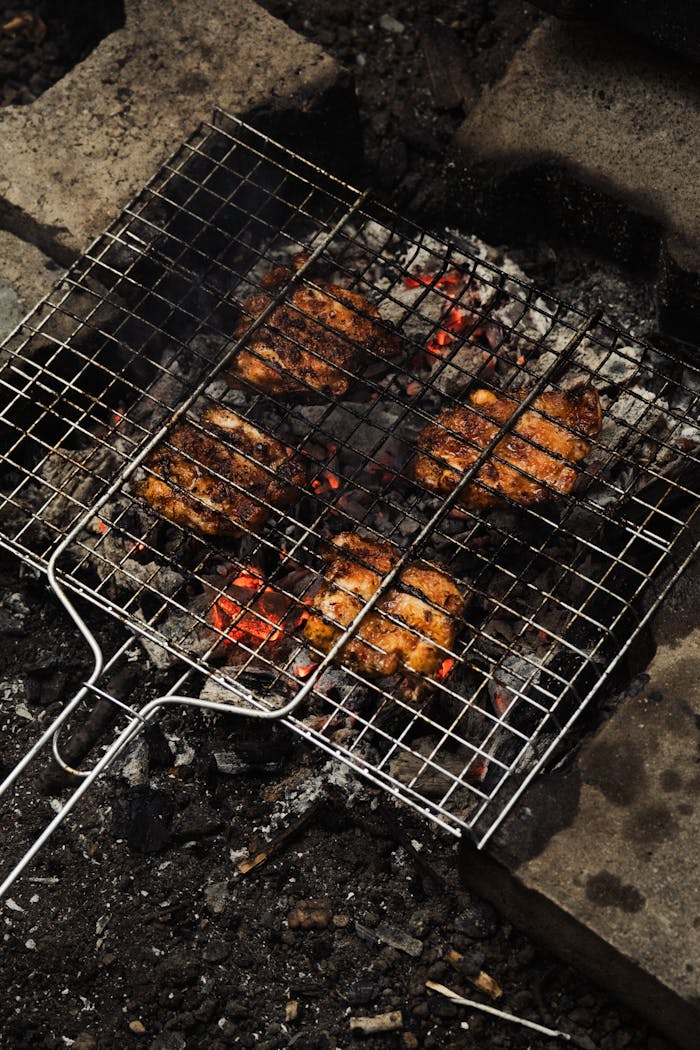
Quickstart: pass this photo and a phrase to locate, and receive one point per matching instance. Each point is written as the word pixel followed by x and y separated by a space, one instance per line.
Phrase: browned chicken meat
pixel 183 485
pixel 299 353
pixel 424 599
pixel 460 434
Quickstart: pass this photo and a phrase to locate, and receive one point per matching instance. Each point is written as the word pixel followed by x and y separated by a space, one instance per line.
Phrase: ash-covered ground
pixel 136 924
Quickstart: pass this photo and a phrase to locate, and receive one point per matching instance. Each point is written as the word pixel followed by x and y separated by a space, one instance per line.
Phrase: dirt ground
pixel 135 925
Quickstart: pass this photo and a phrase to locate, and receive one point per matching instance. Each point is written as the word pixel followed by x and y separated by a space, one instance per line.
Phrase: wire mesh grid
pixel 219 428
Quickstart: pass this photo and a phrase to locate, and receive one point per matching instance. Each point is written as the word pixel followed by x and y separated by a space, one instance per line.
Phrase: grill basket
pixel 134 341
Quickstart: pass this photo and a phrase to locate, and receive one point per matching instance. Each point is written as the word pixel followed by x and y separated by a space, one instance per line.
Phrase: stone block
pixel 26 275
pixel 595 135
pixel 600 861
pixel 75 157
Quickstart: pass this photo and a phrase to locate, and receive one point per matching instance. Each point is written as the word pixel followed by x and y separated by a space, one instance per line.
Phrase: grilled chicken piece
pixel 310 337
pixel 425 600
pixel 548 477
pixel 184 487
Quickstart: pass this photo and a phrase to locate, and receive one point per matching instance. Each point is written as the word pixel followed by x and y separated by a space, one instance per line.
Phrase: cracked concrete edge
pixel 78 154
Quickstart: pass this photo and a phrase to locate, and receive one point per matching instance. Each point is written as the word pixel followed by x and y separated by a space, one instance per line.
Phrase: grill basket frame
pixel 100 373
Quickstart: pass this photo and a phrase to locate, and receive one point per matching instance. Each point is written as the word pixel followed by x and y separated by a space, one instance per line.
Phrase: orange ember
pixel 415 280
pixel 477 771
pixel 445 668
pixel 250 612
pixel 327 481
pixel 304 670
pixel 460 323
pixel 501 702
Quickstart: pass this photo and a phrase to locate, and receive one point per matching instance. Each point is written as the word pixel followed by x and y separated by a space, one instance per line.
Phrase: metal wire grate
pixel 135 341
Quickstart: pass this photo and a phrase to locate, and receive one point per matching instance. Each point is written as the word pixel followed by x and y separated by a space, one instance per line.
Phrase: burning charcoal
pixel 143 816
pixel 251 616
pixel 478 920
pixel 363 993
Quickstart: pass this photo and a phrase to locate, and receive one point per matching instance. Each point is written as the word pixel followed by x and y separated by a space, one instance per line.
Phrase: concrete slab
pixel 74 157
pixel 26 274
pixel 601 861
pixel 597 133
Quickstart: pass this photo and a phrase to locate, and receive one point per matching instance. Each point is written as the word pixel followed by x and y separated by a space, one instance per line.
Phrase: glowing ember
pixel 101 526
pixel 445 668
pixel 304 670
pixel 501 703
pixel 327 481
pixel 250 612
pixel 460 324
pixel 454 277
pixel 477 771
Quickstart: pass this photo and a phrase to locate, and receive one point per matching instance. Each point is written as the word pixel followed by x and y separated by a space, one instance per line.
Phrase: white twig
pixel 492 1010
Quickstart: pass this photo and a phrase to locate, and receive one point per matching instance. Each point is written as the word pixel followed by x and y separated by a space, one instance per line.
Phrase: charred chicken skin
pixel 424 599
pixel 517 469
pixel 299 353
pixel 191 473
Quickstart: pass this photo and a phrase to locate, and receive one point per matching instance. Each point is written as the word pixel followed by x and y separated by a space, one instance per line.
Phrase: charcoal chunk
pixel 478 920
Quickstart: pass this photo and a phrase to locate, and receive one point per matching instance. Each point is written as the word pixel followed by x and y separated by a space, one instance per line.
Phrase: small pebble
pixel 391 24
pixel 137 1027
